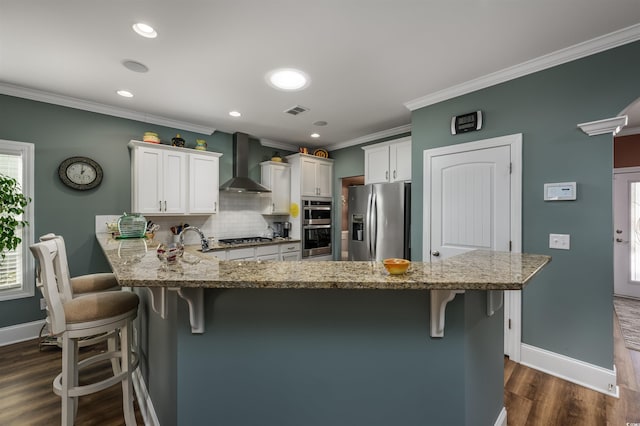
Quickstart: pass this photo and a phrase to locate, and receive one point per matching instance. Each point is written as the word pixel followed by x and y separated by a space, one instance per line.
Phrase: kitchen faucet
pixel 203 240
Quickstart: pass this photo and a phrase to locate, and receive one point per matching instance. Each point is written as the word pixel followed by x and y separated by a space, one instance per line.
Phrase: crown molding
pixel 580 50
pixel 67 101
pixel 280 145
pixel 608 125
pixel 372 137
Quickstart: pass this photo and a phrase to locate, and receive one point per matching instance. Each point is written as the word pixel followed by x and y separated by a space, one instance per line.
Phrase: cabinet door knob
pixel 386 175
pixel 160 205
pixel 215 206
pixel 394 174
pixel 435 253
pixel 165 205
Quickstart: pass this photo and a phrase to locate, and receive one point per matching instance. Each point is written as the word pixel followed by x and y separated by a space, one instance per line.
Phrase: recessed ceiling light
pixel 320 123
pixel 125 93
pixel 145 30
pixel 315 135
pixel 234 113
pixel 288 79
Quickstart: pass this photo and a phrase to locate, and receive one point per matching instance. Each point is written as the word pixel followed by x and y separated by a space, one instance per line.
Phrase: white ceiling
pixel 366 58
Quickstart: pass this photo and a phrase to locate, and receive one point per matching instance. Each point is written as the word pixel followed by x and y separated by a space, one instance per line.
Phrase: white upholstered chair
pixel 74 318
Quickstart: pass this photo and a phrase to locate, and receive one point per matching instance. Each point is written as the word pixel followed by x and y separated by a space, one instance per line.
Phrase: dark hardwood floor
pixel 532 398
pixel 26 394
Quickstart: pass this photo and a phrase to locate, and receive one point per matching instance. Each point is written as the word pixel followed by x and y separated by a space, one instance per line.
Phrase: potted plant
pixel 12 205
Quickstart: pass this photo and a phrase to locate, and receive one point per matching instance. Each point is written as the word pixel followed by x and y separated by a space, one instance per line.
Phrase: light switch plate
pixel 560 241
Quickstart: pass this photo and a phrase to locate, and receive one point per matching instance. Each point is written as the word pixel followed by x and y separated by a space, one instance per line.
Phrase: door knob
pixel 435 253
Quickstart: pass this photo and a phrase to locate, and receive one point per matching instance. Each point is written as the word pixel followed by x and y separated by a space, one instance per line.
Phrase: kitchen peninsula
pixel 319 343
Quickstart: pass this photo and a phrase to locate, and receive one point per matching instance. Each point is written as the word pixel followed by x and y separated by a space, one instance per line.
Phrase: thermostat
pixel 560 191
pixel 466 122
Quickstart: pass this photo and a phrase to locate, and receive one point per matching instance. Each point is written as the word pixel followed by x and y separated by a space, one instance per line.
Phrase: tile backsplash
pixel 239 216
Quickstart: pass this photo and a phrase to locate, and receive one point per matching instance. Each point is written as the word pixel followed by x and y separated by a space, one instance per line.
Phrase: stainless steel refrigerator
pixel 379 221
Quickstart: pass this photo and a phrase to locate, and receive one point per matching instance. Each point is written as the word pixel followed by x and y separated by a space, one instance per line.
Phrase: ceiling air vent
pixel 295 110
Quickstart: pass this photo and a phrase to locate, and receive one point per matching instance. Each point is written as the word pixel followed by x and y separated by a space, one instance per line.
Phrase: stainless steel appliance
pixel 316 212
pixel 244 240
pixel 379 221
pixel 316 229
pixel 286 228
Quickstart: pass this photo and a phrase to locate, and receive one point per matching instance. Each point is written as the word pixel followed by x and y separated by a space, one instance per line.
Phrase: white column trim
pixel 607 125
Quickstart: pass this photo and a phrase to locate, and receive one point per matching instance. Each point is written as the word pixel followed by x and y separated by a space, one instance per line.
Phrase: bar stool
pixel 83 284
pixel 73 319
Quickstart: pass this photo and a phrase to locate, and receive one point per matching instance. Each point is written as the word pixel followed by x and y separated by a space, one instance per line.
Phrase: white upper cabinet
pixel 388 161
pixel 167 180
pixel 314 173
pixel 203 184
pixel 276 177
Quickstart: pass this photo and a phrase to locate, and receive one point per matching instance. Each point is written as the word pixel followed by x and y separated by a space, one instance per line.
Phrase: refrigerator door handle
pixel 373 229
pixel 367 224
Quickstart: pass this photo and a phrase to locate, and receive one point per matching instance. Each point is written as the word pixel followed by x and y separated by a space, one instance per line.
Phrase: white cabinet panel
pixel 400 161
pixel 167 180
pixel 290 252
pixel 175 182
pixel 314 174
pixel 158 181
pixel 388 161
pixel 276 177
pixel 248 253
pixel 204 183
pixel 376 165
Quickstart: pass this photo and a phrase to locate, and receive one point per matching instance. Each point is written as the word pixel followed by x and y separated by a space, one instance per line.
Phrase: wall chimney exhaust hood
pixel 240 181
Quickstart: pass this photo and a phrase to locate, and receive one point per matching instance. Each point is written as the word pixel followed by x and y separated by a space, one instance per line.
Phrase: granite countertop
pixel 135 264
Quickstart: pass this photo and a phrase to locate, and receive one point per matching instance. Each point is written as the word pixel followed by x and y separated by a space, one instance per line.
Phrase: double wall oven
pixel 316 229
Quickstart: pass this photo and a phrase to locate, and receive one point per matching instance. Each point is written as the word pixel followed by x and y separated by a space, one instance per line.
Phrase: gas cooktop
pixel 244 240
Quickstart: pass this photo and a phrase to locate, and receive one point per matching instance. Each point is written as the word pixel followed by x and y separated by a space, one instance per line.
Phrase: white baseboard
pixel 570 369
pixel 144 400
pixel 20 332
pixel 502 418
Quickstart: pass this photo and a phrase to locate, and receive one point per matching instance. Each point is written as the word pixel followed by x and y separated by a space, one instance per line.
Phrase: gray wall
pixel 59 132
pixel 567 309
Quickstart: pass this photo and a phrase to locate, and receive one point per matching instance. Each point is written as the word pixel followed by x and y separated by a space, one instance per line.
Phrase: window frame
pixel 26 152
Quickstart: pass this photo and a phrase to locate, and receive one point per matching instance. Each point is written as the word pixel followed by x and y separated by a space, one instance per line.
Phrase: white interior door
pixel 626 246
pixel 473 201
pixel 470 206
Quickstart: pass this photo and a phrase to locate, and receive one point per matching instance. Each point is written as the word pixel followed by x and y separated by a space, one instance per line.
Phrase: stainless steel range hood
pixel 240 181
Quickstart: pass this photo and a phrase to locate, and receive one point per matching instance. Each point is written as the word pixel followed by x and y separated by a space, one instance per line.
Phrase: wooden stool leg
pixel 127 382
pixel 69 379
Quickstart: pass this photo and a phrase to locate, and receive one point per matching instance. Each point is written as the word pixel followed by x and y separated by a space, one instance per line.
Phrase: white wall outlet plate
pixel 560 241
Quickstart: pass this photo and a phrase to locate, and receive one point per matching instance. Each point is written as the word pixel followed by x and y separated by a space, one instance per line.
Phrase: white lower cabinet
pixel 247 253
pixel 290 252
pixel 266 253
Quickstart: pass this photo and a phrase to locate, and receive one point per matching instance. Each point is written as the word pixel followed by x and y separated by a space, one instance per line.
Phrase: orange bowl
pixel 396 266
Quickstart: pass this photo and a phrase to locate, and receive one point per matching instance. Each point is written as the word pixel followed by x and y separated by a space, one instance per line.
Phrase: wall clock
pixel 80 173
